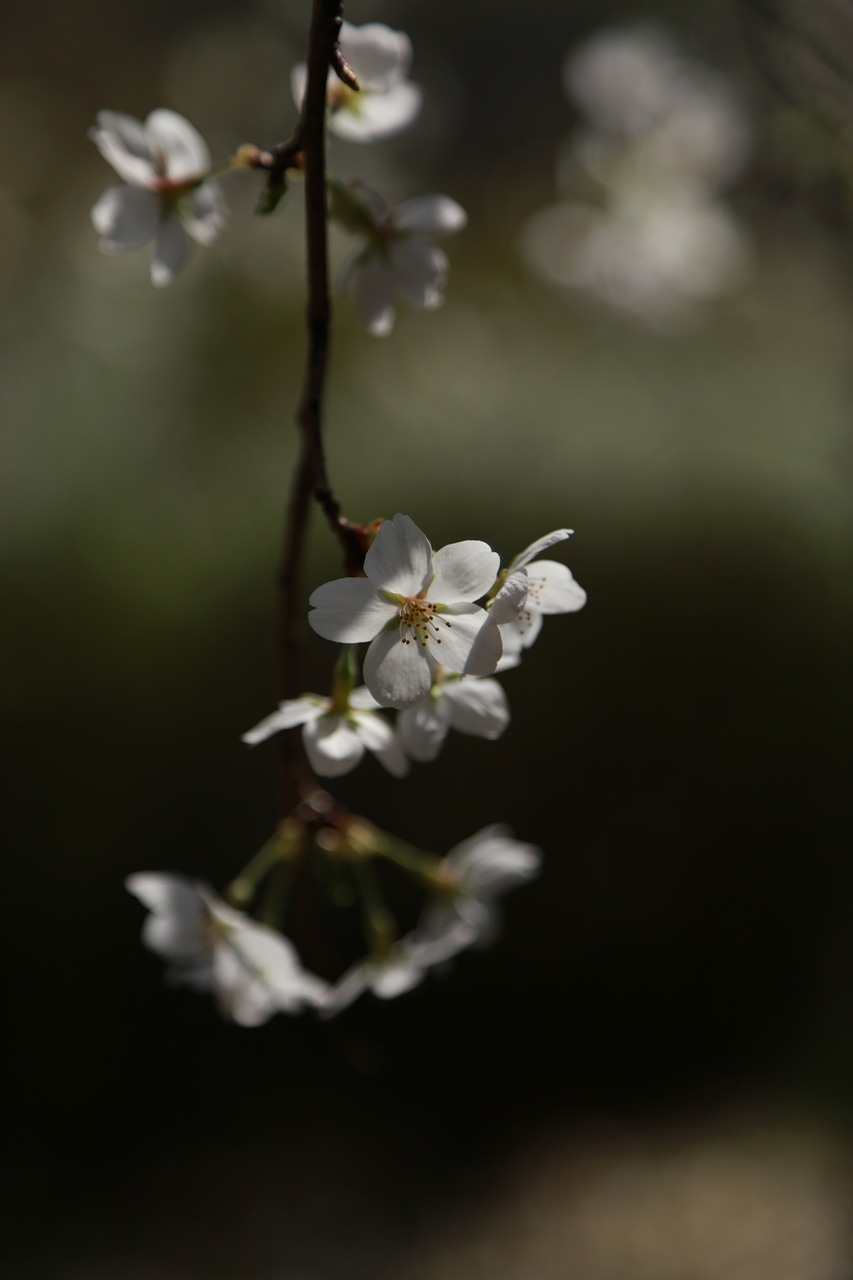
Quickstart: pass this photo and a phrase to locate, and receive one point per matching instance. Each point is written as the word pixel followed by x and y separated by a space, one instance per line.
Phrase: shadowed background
pixel 658 1055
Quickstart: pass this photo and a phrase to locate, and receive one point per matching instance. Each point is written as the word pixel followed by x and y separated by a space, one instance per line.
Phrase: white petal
pixel 362 699
pixel 349 610
pixel 510 598
pixel 430 216
pixel 397 674
pixel 393 758
pixel 378 736
pixel 397 976
pixel 461 626
pixel 267 977
pixel 289 714
pixel 378 56
pixel 478 707
pixel 122 142
pixel 400 557
pixel 463 571
pixel 347 989
pixel 204 214
pixel 541 544
pixel 553 589
pixel 184 151
pixel 333 746
pixel 486 651
pixel 126 217
pixel 491 862
pixel 176 927
pixel 366 117
pixel 521 633
pixel 373 296
pixel 423 728
pixel 171 247
pixel 419 271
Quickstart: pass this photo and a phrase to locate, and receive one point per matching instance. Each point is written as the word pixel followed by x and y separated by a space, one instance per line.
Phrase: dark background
pixel 668 1012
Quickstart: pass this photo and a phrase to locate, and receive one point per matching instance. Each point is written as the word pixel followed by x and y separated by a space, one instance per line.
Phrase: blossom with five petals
pixel 253 971
pixel 415 607
pixel 385 101
pixel 162 162
pixel 335 739
pixel 397 258
pixel 469 705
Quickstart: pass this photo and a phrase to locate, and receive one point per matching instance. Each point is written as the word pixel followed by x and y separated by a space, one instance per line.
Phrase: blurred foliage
pixel 680 749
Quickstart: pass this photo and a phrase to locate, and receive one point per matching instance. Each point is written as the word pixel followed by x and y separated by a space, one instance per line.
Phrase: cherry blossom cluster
pixel 169 195
pixel 644 227
pixel 423 634
pixel 432 650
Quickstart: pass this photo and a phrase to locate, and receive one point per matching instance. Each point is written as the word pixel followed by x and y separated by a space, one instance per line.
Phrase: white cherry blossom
pixel 550 589
pixel 478 871
pixel 253 971
pixel 416 608
pixel 469 705
pixel 162 163
pixel 386 100
pixel 335 740
pixel 397 258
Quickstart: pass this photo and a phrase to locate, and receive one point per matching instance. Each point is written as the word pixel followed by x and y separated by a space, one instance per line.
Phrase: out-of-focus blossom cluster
pixel 644 225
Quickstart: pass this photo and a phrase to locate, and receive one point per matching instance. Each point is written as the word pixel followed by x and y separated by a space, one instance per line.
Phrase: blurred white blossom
pixel 253 971
pixel 386 100
pixel 163 196
pixel 645 227
pixel 397 258
pixel 335 739
pixel 479 870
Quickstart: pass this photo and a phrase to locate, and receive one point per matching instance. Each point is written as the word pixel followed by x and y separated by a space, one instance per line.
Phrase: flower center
pixel 420 621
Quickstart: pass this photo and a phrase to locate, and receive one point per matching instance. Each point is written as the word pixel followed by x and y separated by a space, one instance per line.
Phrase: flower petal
pixel 491 862
pixel 289 714
pixel 397 674
pixel 171 247
pixel 400 557
pixel 423 728
pixel 478 707
pixel 367 117
pixel 176 927
pixel 419 272
pixel 122 142
pixel 373 296
pixel 349 610
pixel 378 55
pixel 521 633
pixel 125 217
pixel 541 544
pixel 463 624
pixel 430 216
pixel 463 571
pixel 510 598
pixel 183 150
pixel 333 746
pixel 553 589
pixel 204 214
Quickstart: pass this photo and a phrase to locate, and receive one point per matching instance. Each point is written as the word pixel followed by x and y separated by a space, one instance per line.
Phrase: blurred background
pixel 651 1075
